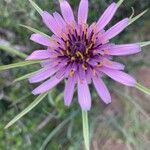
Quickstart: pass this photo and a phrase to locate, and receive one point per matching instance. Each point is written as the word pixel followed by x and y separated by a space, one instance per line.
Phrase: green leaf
pixel 35 31
pixel 9 49
pixel 131 20
pixel 142 88
pixel 142 44
pixel 120 2
pixel 20 64
pixel 39 10
pixel 57 129
pixel 26 110
pixel 25 76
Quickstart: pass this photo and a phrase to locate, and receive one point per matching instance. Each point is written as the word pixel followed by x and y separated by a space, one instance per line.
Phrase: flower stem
pixel 85 129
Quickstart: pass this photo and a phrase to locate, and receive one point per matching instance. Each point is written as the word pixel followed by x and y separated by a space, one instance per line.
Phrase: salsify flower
pixel 81 53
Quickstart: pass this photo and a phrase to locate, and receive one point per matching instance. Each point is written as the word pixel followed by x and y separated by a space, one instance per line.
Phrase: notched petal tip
pixel 120 76
pixel 33 36
pixel 35 93
pixel 67 11
pixel 115 30
pixel 125 49
pixel 106 16
pixel 108 101
pixel 139 49
pixel 102 90
pixel 40 39
pixel 30 80
pixel 83 11
pixel 39 55
pixel 28 58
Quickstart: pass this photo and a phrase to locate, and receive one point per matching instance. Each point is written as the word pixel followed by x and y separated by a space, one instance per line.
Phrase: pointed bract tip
pixel 34 92
pixel 132 20
pixel 37 8
pixel 120 2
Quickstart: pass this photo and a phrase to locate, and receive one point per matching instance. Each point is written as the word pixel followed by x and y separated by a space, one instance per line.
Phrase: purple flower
pixel 81 53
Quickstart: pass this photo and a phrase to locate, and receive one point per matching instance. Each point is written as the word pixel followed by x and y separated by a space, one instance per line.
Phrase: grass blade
pixel 143 44
pixel 13 51
pixel 26 110
pixel 57 129
pixel 35 30
pixel 133 12
pixel 37 8
pixel 20 64
pixel 25 76
pixel 137 17
pixel 142 88
pixel 120 2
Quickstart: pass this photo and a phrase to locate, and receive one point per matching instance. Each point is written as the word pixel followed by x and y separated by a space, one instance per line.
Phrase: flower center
pixel 79 43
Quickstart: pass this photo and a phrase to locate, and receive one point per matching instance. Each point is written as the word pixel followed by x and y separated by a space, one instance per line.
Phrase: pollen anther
pixel 79 54
pixel 72 72
pixel 84 67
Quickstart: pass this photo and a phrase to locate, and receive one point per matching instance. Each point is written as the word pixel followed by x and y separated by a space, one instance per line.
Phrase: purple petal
pixel 104 47
pixel 69 91
pixel 106 16
pixel 67 11
pixel 49 62
pixel 51 23
pixel 47 85
pixel 68 69
pixel 84 95
pixel 89 74
pixel 40 39
pixel 59 19
pixel 124 49
pixel 92 62
pixel 119 76
pixel 102 89
pixel 114 65
pixel 61 72
pixel 42 75
pixel 39 54
pixel 83 11
pixel 115 30
pixel 81 73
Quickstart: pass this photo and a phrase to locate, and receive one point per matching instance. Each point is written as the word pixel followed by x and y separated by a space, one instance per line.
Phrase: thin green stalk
pixel 37 8
pixel 26 110
pixel 11 50
pixel 120 2
pixel 137 17
pixel 143 44
pixel 85 129
pixel 142 88
pixel 19 64
pixel 25 76
pixel 35 30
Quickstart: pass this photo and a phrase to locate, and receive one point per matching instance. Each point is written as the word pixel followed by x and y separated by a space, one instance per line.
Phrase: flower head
pixel 80 53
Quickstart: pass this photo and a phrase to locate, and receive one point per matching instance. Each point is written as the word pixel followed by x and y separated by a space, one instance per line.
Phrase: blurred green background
pixel 122 125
